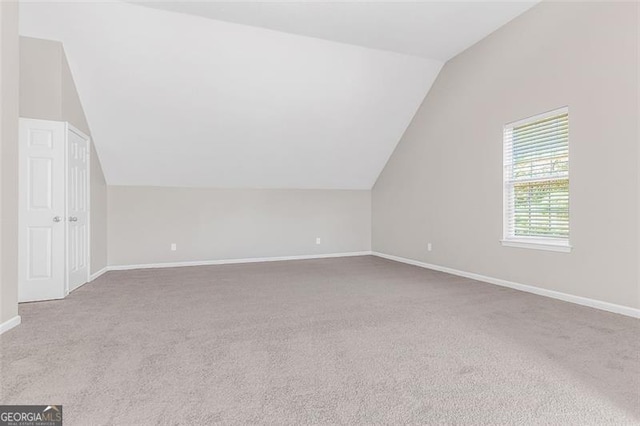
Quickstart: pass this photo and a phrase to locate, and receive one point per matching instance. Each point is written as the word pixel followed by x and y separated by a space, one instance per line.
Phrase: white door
pixel 41 210
pixel 77 208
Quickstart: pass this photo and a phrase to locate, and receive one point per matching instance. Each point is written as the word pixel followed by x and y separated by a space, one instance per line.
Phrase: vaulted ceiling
pixel 262 95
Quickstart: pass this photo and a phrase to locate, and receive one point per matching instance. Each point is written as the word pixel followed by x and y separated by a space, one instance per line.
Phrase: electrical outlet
pixel 318 241
pixel 174 247
pixel 429 247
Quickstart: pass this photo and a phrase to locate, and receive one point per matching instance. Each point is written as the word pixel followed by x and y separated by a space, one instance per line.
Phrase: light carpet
pixel 334 341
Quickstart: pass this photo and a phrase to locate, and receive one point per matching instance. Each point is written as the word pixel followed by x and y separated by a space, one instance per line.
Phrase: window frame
pixel 531 242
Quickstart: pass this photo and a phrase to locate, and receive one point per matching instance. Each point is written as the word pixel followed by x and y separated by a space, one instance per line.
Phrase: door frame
pixel 70 128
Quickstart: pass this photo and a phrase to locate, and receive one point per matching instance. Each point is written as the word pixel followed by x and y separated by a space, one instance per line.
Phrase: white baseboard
pixel 234 261
pixel 98 274
pixel 10 323
pixel 598 304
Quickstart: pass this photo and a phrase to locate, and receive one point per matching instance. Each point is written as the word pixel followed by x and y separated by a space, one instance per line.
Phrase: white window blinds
pixel 536 179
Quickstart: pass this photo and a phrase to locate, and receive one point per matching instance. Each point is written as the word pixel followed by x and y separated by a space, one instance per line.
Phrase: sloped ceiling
pixel 185 99
pixel 431 29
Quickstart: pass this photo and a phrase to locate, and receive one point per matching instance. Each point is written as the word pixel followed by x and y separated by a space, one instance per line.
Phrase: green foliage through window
pixel 537 178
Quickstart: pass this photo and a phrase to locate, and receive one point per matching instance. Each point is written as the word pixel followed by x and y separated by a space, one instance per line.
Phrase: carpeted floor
pixel 353 341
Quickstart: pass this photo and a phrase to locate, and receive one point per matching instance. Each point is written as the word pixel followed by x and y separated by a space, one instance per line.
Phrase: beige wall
pixel 638 141
pixel 214 224
pixel 443 183
pixel 70 105
pixel 40 79
pixel 9 76
pixel 47 91
pixel 98 215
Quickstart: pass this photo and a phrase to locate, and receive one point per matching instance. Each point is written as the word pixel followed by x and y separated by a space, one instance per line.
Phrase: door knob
pixel 73 219
pixel 57 219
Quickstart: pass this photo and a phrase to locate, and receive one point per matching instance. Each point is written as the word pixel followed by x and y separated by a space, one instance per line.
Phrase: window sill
pixel 563 247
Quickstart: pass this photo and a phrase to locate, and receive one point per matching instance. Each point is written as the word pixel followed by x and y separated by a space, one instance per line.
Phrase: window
pixel 536 182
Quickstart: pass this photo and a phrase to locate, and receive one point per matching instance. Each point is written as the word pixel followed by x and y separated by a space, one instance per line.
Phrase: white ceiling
pixel 175 99
pixel 430 29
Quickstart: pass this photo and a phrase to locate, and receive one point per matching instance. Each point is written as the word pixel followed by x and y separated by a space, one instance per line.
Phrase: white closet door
pixel 42 210
pixel 78 208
